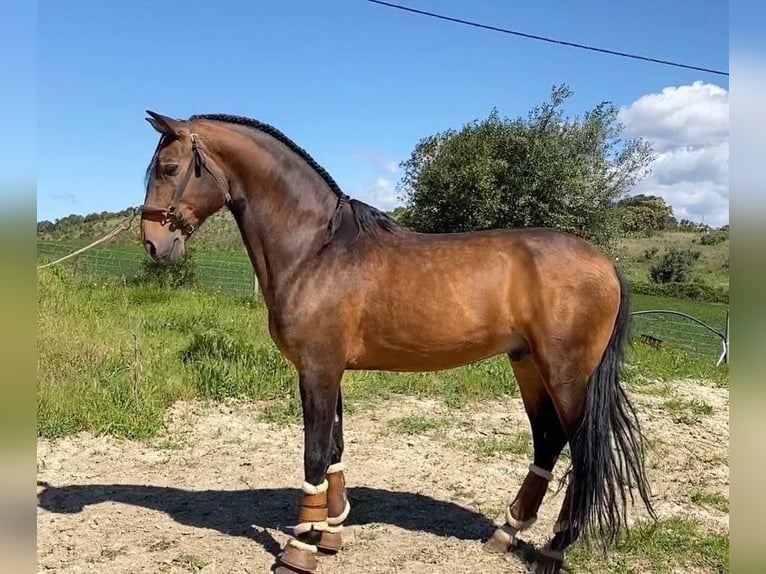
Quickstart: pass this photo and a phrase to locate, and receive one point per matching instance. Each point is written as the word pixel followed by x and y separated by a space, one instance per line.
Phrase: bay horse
pixel 346 287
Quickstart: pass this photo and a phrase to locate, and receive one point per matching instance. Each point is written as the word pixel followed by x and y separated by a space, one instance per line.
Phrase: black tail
pixel 608 448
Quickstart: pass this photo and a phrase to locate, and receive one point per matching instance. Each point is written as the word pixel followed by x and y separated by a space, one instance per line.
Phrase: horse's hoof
pixel 330 542
pixel 294 560
pixel 500 542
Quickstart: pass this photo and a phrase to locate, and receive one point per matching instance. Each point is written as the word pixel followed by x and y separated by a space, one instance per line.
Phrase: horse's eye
pixel 171 169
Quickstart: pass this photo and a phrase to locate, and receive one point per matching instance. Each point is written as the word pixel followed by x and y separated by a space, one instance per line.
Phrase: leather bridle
pixel 170 214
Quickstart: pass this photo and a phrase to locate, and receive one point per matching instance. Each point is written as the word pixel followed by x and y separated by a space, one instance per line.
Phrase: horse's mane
pixel 368 218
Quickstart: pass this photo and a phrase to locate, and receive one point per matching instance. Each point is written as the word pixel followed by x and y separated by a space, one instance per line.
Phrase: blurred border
pixel 18 148
pixel 748 281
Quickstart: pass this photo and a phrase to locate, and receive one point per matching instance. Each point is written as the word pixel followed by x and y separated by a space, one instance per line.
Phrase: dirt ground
pixel 218 491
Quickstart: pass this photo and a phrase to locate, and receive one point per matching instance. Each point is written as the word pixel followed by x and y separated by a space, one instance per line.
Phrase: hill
pixel 219 233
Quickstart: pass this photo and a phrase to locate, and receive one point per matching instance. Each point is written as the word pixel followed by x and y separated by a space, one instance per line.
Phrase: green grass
pixel 520 444
pixel 112 357
pixel 418 424
pixel 670 545
pixel 687 411
pixel 717 501
pixel 647 365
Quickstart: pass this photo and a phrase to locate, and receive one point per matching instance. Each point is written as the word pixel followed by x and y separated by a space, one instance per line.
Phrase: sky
pixel 357 85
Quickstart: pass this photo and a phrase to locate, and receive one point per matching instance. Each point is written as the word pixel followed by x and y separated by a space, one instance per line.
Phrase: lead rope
pixel 123 226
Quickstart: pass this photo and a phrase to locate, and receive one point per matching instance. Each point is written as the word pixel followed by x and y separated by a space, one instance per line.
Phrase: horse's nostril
pixel 151 249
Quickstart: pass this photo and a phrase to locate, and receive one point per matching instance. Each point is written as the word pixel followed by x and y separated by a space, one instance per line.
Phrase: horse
pixel 348 288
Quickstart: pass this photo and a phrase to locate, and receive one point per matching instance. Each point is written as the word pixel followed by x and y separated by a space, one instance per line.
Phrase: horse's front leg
pixel 338 506
pixel 319 389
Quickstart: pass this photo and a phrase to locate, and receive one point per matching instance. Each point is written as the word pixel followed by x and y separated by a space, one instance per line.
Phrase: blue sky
pixel 354 83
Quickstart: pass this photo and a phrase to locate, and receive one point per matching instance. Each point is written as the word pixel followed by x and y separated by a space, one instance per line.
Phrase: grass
pixel 671 545
pixel 113 356
pixel 520 444
pixel 712 499
pixel 647 365
pixel 190 562
pixel 687 411
pixel 418 424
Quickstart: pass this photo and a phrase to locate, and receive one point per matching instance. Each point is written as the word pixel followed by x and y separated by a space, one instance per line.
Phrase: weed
pixel 519 444
pixel 162 544
pixel 710 499
pixel 190 562
pixel 109 553
pixel 687 411
pixel 417 424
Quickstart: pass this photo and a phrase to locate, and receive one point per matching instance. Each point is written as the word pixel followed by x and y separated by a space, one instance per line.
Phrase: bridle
pixel 170 214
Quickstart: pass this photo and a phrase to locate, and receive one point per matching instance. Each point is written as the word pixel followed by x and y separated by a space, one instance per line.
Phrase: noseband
pixel 170 214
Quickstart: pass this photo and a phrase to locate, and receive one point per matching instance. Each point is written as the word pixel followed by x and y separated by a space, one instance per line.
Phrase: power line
pixel 545 39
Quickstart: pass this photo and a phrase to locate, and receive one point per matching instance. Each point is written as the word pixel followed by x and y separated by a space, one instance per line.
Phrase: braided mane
pixel 368 218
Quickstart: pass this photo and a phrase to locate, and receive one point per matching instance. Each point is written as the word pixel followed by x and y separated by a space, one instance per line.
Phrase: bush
pixel 650 253
pixel 714 237
pixel 171 275
pixel 675 266
pixel 691 291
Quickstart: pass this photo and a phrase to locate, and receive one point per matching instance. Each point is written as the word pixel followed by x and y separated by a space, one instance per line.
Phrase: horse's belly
pixel 437 356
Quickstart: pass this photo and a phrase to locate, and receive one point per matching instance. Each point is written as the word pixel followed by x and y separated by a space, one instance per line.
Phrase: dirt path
pixel 218 490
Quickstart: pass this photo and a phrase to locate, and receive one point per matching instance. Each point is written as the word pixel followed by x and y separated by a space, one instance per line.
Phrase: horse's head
pixel 184 186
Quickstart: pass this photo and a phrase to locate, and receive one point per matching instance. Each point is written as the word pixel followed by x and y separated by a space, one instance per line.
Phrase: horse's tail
pixel 600 472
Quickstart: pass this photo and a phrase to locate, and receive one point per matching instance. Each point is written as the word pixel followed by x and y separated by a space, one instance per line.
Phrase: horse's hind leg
pixel 604 438
pixel 548 439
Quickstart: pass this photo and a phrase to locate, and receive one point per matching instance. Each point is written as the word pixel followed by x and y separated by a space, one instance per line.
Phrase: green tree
pixel 646 213
pixel 546 170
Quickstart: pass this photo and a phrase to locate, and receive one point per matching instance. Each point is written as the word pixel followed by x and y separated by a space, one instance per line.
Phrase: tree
pixel 646 213
pixel 545 170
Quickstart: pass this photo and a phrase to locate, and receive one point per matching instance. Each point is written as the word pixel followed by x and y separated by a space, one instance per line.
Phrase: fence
pixel 665 327
pixel 232 271
pixel 229 271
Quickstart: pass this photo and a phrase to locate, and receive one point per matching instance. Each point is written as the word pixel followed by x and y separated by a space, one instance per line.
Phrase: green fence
pixel 224 270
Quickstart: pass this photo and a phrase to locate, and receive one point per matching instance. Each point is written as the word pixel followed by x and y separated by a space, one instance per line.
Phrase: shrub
pixel 691 291
pixel 650 253
pixel 714 237
pixel 172 275
pixel 675 266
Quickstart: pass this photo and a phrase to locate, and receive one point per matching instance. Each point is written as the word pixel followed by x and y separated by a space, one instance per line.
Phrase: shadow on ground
pixel 237 512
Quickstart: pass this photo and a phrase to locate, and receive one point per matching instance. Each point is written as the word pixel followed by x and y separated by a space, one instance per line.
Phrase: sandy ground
pixel 218 491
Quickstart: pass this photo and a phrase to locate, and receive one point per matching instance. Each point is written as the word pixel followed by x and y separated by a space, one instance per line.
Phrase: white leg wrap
pixel 302 545
pixel 337 467
pixel 304 527
pixel 518 524
pixel 507 533
pixel 335 520
pixel 311 489
pixel 541 472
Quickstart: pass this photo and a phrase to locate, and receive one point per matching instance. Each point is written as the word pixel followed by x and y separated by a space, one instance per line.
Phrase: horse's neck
pixel 282 220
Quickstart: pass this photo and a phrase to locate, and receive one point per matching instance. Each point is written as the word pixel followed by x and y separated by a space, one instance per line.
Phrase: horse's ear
pixel 163 124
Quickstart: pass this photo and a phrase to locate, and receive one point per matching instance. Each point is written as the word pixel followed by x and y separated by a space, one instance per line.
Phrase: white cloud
pixel 379 160
pixel 689 129
pixel 380 193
